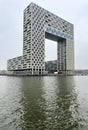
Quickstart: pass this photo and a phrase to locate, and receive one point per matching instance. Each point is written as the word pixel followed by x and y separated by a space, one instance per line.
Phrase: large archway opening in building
pixel 50 50
pixel 56 59
pixel 50 56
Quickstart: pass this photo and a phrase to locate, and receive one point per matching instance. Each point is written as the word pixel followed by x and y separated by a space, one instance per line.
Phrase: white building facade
pixel 38 25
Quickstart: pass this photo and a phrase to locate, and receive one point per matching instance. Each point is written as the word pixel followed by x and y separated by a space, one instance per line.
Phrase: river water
pixel 44 103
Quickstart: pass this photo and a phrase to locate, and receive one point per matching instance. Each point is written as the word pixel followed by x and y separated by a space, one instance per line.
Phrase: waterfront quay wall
pixel 28 73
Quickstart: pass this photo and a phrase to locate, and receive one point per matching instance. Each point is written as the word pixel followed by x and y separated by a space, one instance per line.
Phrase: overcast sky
pixel 11 28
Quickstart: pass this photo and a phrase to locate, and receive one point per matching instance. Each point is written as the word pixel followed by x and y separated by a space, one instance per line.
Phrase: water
pixel 44 103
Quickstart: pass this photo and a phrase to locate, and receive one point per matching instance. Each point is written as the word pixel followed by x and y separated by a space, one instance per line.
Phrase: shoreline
pixel 31 75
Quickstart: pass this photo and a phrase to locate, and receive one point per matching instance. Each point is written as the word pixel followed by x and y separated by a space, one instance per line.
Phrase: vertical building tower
pixel 38 25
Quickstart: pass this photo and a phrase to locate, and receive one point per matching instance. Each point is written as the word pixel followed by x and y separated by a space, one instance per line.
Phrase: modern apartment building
pixel 38 25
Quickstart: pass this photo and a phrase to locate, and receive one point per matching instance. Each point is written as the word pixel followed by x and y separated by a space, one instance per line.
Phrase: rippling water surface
pixel 44 103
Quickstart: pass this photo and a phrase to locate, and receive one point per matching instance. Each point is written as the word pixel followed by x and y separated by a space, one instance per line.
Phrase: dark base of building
pixel 60 73
pixel 39 72
pixel 28 72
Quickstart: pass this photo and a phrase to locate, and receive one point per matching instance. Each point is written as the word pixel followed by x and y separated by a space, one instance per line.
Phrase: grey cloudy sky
pixel 11 27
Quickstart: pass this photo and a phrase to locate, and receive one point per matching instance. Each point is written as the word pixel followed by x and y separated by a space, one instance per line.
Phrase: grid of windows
pixel 37 21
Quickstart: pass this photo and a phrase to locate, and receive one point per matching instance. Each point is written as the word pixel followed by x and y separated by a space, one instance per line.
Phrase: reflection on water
pixel 33 110
pixel 10 108
pixel 42 103
pixel 61 99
